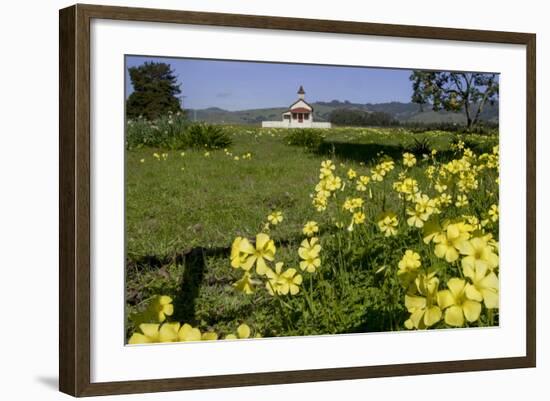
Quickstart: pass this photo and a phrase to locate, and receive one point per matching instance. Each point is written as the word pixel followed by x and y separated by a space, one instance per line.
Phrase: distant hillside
pixel 403 112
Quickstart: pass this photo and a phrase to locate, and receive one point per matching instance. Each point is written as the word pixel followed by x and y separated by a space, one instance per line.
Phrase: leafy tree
pixel 455 91
pixel 155 90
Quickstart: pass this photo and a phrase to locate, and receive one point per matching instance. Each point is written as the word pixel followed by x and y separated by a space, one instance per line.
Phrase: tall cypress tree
pixel 155 90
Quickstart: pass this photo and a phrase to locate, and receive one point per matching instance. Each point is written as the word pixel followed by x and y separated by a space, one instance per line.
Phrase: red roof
pixel 300 110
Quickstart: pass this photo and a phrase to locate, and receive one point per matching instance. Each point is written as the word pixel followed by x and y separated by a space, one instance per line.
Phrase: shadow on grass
pixel 193 273
pixel 369 152
pixel 377 320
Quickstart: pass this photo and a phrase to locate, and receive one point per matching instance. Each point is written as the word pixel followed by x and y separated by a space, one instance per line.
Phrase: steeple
pixel 301 92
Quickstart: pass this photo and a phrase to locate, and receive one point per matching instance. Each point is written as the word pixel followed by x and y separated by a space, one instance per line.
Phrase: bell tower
pixel 301 93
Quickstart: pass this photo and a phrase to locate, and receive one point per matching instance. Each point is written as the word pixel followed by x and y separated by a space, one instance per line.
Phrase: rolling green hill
pixel 403 112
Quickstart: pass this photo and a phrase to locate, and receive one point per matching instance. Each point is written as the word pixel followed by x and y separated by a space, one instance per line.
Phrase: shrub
pixel 168 131
pixel 207 136
pixel 421 147
pixel 307 138
pixel 174 131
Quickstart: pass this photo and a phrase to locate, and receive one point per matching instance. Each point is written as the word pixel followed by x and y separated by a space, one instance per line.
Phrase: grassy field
pixel 185 208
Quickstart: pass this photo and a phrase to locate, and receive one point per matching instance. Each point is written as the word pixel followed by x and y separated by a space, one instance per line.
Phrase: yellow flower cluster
pixel 381 169
pixel 244 156
pixel 159 156
pixel 309 253
pixel 423 208
pixel 278 281
pixel 448 271
pixel 462 301
pixel 328 184
pixel 160 331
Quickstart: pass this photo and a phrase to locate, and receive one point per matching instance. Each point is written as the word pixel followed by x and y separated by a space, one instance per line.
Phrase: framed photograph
pixel 250 200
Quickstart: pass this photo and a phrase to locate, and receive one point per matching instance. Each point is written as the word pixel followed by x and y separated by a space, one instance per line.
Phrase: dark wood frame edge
pixel 74 199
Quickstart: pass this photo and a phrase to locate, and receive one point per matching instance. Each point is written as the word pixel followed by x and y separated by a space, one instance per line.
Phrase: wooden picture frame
pixel 74 203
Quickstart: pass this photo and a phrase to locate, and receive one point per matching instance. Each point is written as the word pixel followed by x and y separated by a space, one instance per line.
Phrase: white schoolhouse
pixel 298 115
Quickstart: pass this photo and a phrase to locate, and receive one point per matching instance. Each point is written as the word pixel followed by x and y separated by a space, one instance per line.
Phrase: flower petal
pixel 243 331
pixel 168 309
pixel 432 316
pixel 454 316
pixel 168 332
pixel 473 293
pixel 445 299
pixel 149 329
pixel 210 336
pixel 456 286
pixel 138 338
pixel 490 281
pixel 490 298
pixel 261 240
pixel 261 267
pixel 245 246
pixel 472 310
pixel 413 303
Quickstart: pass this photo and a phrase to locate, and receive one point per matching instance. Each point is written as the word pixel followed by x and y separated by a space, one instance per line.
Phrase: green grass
pixel 182 214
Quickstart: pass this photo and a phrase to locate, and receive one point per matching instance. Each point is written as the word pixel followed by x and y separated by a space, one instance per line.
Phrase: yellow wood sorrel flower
pixel 359 217
pixel 377 174
pixel 240 250
pixel 155 333
pixel 310 228
pixel 309 251
pixel 244 255
pixel 484 286
pixel 493 213
pixel 282 283
pixel 457 304
pixel 162 307
pixel 387 223
pixel 189 333
pixel 209 336
pixel 275 218
pixel 362 183
pixel 245 284
pixel 418 216
pixel 243 331
pixel 409 160
pixel 461 201
pixel 423 308
pixel 449 241
pixel 264 250
pixel 409 263
pixel 479 254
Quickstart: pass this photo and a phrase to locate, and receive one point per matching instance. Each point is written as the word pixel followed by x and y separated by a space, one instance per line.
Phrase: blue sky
pixel 239 85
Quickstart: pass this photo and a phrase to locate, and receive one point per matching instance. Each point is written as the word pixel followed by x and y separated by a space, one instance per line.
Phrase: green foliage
pixel 482 128
pixel 155 89
pixel 361 118
pixel 421 146
pixel 207 136
pixel 455 91
pixel 308 138
pixel 168 131
pixel 174 131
